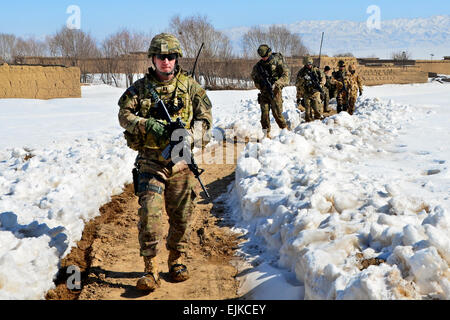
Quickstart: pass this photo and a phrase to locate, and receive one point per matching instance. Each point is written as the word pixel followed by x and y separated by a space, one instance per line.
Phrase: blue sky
pixel 101 17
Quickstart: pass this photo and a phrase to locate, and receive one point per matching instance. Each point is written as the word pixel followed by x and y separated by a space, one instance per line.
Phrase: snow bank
pixel 333 202
pixel 45 202
pixel 62 160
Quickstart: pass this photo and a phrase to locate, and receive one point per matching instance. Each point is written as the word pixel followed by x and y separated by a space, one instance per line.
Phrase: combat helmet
pixel 341 63
pixel 165 43
pixel 264 50
pixel 307 60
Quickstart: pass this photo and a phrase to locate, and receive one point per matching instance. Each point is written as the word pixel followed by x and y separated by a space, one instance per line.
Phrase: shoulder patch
pixel 131 91
pixel 207 102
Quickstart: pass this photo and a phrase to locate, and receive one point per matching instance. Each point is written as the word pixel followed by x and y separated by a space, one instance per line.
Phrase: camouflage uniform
pixel 356 86
pixel 305 90
pixel 328 90
pixel 344 87
pixel 279 75
pixel 162 185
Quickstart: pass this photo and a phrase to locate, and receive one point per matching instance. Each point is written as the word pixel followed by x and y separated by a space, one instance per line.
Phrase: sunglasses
pixel 169 57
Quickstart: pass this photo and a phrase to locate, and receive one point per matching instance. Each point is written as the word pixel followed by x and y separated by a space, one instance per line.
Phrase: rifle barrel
pixel 320 53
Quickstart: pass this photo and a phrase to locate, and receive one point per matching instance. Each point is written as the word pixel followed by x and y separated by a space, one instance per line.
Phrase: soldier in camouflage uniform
pixel 344 87
pixel 160 184
pixel 278 77
pixel 328 89
pixel 356 86
pixel 307 91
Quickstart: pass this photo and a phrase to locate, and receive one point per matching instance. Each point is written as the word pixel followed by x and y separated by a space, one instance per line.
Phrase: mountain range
pixel 421 37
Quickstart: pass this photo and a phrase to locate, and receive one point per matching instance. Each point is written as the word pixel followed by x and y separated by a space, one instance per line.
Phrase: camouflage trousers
pixel 326 99
pixel 276 105
pixel 313 103
pixel 346 102
pixel 351 103
pixel 170 190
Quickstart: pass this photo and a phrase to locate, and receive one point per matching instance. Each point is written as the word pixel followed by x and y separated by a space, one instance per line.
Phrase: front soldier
pixel 309 84
pixel 160 184
pixel 270 75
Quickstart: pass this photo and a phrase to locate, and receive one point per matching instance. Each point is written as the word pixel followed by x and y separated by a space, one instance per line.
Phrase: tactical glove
pixel 155 128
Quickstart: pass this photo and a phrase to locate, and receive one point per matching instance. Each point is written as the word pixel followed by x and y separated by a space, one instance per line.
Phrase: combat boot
pixel 267 135
pixel 178 271
pixel 150 281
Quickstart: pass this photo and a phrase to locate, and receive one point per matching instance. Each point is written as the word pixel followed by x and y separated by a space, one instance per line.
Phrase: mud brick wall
pixel 438 66
pixel 39 82
pixel 392 75
pixel 386 73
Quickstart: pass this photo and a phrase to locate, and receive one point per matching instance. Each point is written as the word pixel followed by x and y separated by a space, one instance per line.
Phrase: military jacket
pixel 328 82
pixel 276 68
pixel 357 83
pixel 182 95
pixel 341 79
pixel 304 83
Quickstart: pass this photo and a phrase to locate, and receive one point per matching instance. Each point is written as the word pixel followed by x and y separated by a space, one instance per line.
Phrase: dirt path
pixel 108 253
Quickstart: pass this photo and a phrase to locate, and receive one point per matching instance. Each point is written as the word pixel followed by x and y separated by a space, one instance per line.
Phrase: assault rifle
pixel 312 77
pixel 265 77
pixel 320 52
pixel 196 60
pixel 177 125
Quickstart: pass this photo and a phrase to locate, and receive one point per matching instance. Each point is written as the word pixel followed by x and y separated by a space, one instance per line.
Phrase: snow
pixel 322 198
pixel 312 202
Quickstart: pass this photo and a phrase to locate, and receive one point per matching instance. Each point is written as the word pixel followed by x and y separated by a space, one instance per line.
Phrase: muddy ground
pixel 108 253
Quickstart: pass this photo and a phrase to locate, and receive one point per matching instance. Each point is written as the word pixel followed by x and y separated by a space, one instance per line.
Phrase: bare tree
pixel 195 30
pixel 192 32
pixel 30 47
pixel 279 38
pixel 122 46
pixel 401 55
pixel 7 43
pixel 75 46
pixel 110 63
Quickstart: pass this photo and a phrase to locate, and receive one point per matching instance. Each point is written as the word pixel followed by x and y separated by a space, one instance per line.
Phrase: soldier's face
pixel 164 64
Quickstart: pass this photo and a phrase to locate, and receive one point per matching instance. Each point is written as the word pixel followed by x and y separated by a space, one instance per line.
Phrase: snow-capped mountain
pixel 420 36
